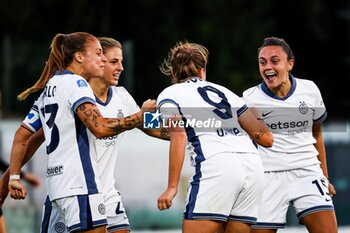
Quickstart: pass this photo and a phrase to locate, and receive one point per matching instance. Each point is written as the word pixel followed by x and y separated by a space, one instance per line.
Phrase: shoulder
pixel 221 88
pixel 73 79
pixel 122 93
pixel 306 84
pixel 251 91
pixel 170 89
pixel 120 90
pixel 168 94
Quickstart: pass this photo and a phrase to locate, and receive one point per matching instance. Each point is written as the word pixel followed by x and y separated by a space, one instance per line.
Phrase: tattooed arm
pixel 161 133
pixel 256 129
pixel 105 127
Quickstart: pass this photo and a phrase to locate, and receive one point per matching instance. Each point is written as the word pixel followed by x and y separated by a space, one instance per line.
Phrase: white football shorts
pixel 116 214
pixel 117 219
pixel 306 189
pixel 82 212
pixel 52 221
pixel 227 186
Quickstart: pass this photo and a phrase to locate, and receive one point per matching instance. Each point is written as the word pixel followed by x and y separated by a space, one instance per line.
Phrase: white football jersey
pixel 210 115
pixel 105 150
pixel 71 170
pixel 290 119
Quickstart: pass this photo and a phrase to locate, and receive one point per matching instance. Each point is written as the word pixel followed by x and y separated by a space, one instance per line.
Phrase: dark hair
pixel 275 41
pixel 185 60
pixel 63 47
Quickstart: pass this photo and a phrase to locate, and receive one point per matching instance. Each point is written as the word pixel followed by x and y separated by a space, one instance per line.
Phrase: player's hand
pixel 165 200
pixel 31 179
pixel 17 190
pixel 149 106
pixel 331 189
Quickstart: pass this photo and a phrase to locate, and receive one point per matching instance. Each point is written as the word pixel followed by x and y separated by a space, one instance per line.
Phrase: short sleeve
pixel 320 113
pixel 32 120
pixel 80 93
pixel 167 105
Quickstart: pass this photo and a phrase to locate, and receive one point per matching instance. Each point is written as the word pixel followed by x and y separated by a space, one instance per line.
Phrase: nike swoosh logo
pixel 264 114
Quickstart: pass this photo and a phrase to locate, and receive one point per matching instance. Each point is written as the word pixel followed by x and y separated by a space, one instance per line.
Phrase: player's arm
pixel 18 151
pixel 105 127
pixel 177 148
pixel 161 133
pixel 33 144
pixel 256 129
pixel 317 133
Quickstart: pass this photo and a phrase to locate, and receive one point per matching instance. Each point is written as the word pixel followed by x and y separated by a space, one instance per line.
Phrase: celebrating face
pixel 274 67
pixel 114 65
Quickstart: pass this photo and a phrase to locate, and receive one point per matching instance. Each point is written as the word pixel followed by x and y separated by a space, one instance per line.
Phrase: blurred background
pixel 317 30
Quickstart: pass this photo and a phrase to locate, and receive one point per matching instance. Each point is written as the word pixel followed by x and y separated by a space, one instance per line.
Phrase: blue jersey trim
pixel 109 97
pixel 85 158
pixel 167 101
pixel 267 225
pixel 81 101
pixel 241 110
pixel 118 227
pixel 35 108
pixel 37 123
pixel 193 194
pixel 315 209
pixel 46 216
pixel 85 216
pixel 195 142
pixel 245 219
pixel 78 227
pixel 321 118
pixel 210 216
pixel 62 72
pixel 272 95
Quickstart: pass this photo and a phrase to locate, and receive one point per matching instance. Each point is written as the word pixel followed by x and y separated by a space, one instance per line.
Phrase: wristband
pixel 15 177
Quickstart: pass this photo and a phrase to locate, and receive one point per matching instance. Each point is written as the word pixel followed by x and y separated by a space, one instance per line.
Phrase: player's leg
pixel 121 231
pixel 237 227
pixel 2 222
pixel 100 229
pixel 321 222
pixel 203 226
pixel 312 201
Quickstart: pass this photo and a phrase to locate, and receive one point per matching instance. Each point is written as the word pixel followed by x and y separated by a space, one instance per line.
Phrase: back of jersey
pixel 70 168
pixel 210 115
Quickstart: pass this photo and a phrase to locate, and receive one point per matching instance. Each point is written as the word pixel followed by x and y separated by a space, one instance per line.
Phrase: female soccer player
pixel 224 193
pixel 295 165
pixel 65 110
pixel 110 100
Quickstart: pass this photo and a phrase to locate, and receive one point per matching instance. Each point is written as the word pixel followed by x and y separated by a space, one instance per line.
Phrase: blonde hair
pixel 108 43
pixel 62 50
pixel 185 60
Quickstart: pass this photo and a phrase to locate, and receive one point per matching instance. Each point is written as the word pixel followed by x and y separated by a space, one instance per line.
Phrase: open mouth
pixel 270 75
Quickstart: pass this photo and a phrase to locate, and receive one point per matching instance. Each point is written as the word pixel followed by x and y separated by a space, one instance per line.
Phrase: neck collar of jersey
pixel 109 97
pixel 62 72
pixel 267 91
